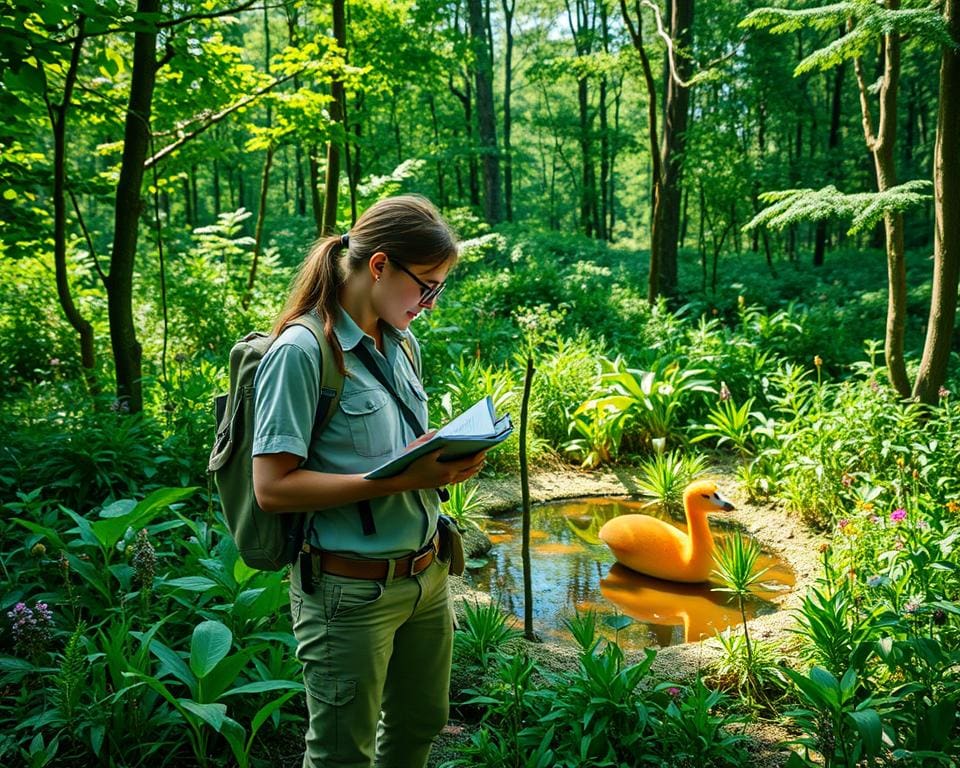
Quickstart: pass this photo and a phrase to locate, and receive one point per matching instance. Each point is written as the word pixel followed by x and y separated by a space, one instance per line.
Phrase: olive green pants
pixel 376 666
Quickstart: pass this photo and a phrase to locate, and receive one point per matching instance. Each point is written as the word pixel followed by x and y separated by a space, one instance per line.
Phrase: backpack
pixel 265 540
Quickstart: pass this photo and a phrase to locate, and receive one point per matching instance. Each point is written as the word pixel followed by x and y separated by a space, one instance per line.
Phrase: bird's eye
pixel 704 496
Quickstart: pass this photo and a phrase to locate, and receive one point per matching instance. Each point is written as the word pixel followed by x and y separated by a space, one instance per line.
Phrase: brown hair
pixel 408 228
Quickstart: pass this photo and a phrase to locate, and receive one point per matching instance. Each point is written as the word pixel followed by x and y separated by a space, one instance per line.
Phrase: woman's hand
pixel 429 472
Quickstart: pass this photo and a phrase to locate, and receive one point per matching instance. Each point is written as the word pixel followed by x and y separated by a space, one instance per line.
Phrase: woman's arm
pixel 281 485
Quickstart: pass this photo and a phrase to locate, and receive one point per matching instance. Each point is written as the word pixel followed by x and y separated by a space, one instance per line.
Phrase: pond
pixel 573 570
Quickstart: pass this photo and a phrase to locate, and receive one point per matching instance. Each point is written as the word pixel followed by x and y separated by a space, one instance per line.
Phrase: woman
pixel 373 625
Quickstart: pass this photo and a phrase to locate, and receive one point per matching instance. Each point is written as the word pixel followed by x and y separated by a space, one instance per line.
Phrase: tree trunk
pixel 258 234
pixel 316 201
pixel 441 176
pixel 881 145
pixel 820 245
pixel 508 9
pixel 674 142
pixel 525 506
pixel 465 98
pixel 332 183
pixel 58 122
pixel 127 352
pixel 946 237
pixel 486 113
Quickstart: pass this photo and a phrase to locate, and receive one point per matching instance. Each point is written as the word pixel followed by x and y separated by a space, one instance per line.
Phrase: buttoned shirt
pixel 365 429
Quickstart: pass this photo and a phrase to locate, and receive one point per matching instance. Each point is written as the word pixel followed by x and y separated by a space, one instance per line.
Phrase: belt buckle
pixel 414 569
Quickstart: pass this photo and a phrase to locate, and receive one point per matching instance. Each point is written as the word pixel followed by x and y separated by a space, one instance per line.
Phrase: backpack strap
pixel 331 380
pixel 331 387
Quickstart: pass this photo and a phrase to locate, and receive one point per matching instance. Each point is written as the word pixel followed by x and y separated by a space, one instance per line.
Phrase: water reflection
pixel 572 569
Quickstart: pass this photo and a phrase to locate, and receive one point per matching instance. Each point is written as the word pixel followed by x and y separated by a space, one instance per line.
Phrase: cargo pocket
pixel 330 690
pixel 371 423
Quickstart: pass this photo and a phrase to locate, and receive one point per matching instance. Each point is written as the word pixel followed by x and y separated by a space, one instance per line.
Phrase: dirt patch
pixel 779 532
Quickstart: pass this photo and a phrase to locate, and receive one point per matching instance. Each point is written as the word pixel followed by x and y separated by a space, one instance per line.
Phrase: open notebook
pixel 475 429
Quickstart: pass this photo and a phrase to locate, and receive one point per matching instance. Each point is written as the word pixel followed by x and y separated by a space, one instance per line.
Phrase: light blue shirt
pixel 365 429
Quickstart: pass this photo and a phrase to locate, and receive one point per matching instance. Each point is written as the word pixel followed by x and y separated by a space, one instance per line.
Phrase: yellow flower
pixel 817 361
pixel 953 506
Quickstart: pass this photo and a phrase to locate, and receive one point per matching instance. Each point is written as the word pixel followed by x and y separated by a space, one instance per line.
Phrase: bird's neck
pixel 699 536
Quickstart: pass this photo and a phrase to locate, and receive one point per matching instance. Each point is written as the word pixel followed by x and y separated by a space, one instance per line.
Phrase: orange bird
pixel 651 546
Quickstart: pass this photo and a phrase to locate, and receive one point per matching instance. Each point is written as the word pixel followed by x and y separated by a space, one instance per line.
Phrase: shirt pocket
pixel 371 422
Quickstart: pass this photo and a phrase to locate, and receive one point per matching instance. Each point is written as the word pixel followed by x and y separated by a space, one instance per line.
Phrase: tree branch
pixel 216 118
pixel 210 15
pixel 86 235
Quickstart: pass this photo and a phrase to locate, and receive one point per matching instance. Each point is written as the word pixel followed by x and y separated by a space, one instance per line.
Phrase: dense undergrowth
pixel 135 636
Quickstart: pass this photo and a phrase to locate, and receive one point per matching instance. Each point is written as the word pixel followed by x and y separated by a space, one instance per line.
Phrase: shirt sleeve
pixel 287 387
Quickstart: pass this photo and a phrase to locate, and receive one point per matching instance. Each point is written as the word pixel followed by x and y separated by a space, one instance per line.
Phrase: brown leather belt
pixel 376 570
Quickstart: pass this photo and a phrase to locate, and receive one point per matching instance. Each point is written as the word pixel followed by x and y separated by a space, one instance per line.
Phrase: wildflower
pixel 823 548
pixel 900 462
pixel 144 560
pixel 741 302
pixel 54 362
pixel 874 386
pixel 911 607
pixel 674 692
pixel 943 392
pixel 953 507
pixel 923 525
pixel 817 361
pixel 842 525
pixel 897 515
pixel 31 627
pixel 38 549
pixel 724 392
pixel 846 480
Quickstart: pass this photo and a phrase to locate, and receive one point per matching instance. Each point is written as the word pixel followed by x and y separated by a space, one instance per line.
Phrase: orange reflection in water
pixel 696 608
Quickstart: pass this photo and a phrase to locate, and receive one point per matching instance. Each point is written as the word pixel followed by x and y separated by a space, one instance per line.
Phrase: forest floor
pixel 778 532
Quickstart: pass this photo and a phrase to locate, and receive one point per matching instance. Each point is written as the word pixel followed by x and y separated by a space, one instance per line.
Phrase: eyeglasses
pixel 428 293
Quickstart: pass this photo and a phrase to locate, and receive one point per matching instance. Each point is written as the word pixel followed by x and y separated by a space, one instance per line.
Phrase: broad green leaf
pixel 618 622
pixel 262 686
pixel 210 644
pixel 212 714
pixel 192 583
pixel 868 725
pixel 119 508
pixel 110 531
pixel 171 662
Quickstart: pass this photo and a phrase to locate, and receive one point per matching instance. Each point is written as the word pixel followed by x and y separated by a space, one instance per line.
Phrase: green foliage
pixel 464 505
pixel 865 22
pixel 665 475
pixel 790 206
pixel 486 628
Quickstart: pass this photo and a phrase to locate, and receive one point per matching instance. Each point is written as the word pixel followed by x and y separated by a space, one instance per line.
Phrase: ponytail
pixel 407 227
pixel 316 287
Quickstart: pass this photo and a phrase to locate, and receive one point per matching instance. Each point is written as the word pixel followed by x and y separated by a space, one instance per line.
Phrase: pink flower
pixel 943 392
pixel 897 515
pixel 674 692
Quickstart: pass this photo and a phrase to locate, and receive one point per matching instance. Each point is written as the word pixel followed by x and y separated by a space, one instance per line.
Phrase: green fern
pixel 71 677
pixel 790 206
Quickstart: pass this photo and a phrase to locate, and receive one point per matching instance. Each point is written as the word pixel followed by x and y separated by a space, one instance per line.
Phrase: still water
pixel 574 570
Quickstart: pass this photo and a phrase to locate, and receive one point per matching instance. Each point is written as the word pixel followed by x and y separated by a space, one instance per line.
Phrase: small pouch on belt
pixel 451 545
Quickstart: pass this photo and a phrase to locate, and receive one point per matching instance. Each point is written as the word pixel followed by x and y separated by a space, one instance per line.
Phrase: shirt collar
pixel 349 334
